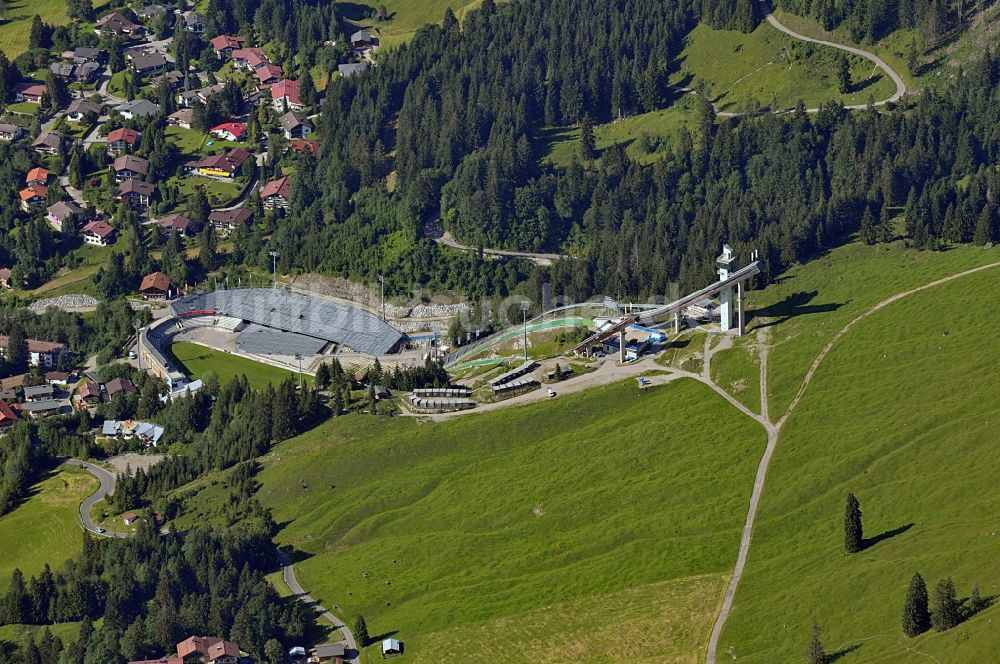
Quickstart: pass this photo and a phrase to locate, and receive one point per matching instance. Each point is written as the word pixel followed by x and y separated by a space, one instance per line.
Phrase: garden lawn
pixel 45 528
pixel 197 360
pixel 903 413
pixel 586 524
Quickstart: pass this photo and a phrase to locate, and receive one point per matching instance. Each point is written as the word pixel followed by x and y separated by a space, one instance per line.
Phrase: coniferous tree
pixel 947 610
pixel 588 144
pixel 983 234
pixel 361 631
pixel 853 532
pixel 843 74
pixel 916 613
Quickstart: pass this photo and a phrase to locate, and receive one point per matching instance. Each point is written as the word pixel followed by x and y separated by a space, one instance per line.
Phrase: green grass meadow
pixel 553 528
pixel 902 412
pixel 407 16
pixel 51 516
pixel 197 360
pixel 14 31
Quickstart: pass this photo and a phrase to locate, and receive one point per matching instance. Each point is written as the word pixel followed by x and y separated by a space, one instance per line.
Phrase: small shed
pixel 392 647
pixel 130 518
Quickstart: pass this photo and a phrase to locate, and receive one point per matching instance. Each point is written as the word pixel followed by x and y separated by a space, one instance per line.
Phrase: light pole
pixel 298 356
pixel 524 320
pixel 274 267
pixel 381 281
pixel 136 325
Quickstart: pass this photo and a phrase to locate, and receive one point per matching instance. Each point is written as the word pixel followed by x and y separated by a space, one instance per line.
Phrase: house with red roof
pixel 249 58
pixel 224 45
pixel 229 131
pixel 37 175
pixel 268 74
pixel 285 95
pixel 208 650
pixel 177 223
pixel 99 233
pixel 29 92
pixel 7 416
pixel 40 353
pixel 123 140
pixel 156 286
pixel 274 194
pixel 90 393
pixel 33 196
pixel 301 146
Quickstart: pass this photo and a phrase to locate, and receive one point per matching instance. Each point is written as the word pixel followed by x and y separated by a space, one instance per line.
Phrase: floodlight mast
pixel 136 325
pixel 274 267
pixel 381 281
pixel 524 320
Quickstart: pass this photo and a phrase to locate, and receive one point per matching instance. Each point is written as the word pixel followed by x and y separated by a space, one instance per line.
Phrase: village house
pixel 40 353
pixel 139 108
pixel 119 385
pixel 61 69
pixel 177 223
pixel 268 74
pixel 328 653
pixel 149 434
pixel 285 96
pixel 153 11
pixel 295 125
pixel 29 92
pixel 42 408
pixel 352 68
pixel 64 215
pixel 189 97
pixel 156 286
pixel 249 58
pixel 226 221
pixel 84 54
pixel 5 275
pixel 123 140
pixel 11 132
pixel 208 650
pixel 221 165
pixel 136 193
pixel 99 234
pixel 224 45
pixel 144 64
pixel 229 131
pixel 8 417
pixel 32 196
pixel 80 108
pixel 86 72
pixel 173 79
pixel 37 175
pixel 116 24
pixel 195 22
pixel 362 39
pixel 130 167
pixel 38 392
pixel 90 393
pixel 60 378
pixel 48 142
pixel 182 118
pixel 301 146
pixel 274 194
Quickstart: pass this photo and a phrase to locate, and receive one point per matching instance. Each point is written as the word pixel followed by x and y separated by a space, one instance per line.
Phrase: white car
pixel 552 392
pixel 131 355
pixel 100 530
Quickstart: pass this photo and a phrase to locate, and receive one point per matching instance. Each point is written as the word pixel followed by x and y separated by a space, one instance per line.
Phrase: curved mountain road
pixel 107 487
pixel 288 575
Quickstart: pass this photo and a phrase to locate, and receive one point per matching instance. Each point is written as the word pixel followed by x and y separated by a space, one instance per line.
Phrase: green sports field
pixel 45 528
pixel 602 523
pixel 197 360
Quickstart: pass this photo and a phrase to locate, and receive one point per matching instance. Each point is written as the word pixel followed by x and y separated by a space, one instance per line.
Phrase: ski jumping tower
pixel 726 262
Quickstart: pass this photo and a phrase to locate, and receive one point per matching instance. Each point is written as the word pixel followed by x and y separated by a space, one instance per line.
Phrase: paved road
pixel 436 232
pixel 288 574
pixel 107 480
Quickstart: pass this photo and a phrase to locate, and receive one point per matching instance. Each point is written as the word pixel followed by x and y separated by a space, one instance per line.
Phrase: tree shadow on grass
pixel 869 542
pixel 840 654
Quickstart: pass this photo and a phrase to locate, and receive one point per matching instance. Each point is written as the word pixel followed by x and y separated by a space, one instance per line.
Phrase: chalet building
pixel 64 215
pixel 37 175
pixel 285 95
pixel 295 125
pixel 226 221
pixel 29 92
pixel 123 141
pixel 144 64
pixel 48 142
pixel 268 74
pixel 130 167
pixel 173 79
pixel 224 45
pixel 208 650
pixel 80 108
pixel 156 286
pixel 229 131
pixel 40 353
pixel 11 132
pixel 182 118
pixel 136 193
pixel 352 68
pixel 221 165
pixel 139 108
pixel 362 39
pixel 249 58
pixel 90 393
pixel 99 234
pixel 33 196
pixel 189 97
pixel 8 417
pixel 178 223
pixel 274 194
pixel 116 24
pixel 302 146
pixel 195 23
pixel 124 386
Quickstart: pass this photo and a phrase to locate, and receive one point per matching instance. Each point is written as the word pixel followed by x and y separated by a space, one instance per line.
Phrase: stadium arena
pixel 266 324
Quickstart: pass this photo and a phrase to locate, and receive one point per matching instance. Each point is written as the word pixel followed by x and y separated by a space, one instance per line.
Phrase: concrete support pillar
pixel 726 309
pixel 677 322
pixel 739 307
pixel 621 345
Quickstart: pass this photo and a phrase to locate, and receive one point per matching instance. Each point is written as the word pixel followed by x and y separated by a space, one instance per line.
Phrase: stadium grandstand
pixel 277 322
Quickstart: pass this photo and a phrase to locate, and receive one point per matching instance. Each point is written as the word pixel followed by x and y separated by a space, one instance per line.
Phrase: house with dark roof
pixel 63 215
pixel 123 141
pixel 182 118
pixel 130 167
pixel 38 392
pixel 116 24
pixel 79 108
pixel 156 286
pixel 362 39
pixel 61 69
pixel 99 233
pixel 295 124
pixel 274 194
pixel 195 22
pixel 174 79
pixel 120 385
pixel 40 353
pixel 11 132
pixel 84 54
pixel 48 142
pixel 189 97
pixel 268 74
pixel 136 193
pixel 139 108
pixel 221 165
pixel 226 221
pixel 352 68
pixel 177 223
pixel 148 63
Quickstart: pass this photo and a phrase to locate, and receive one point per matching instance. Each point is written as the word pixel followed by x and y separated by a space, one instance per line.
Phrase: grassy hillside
pixel 903 413
pixel 406 16
pixel 197 360
pixel 15 30
pixel 46 527
pixel 600 525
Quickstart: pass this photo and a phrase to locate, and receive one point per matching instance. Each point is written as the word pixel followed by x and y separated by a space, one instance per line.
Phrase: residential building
pixel 136 193
pixel 5 275
pixel 86 72
pixel 182 118
pixel 119 385
pixel 7 416
pixel 328 653
pixel 174 79
pixel 362 39
pixel 295 125
pixel 156 286
pixel 48 142
pixel 130 167
pixel 391 647
pixel 84 54
pixel 268 74
pixel 149 434
pixel 208 650
pixel 301 146
pixel 229 131
pixel 139 108
pixel 99 234
pixel 32 196
pixel 29 92
pixel 123 141
pixel 147 63
pixel 249 58
pixel 177 223
pixel 37 175
pixel 80 108
pixel 221 165
pixel 116 24
pixel 162 660
pixel 61 69
pixel 274 194
pixel 189 97
pixel 11 132
pixel 352 68
pixel 195 22
pixel 63 215
pixel 285 95
pixel 38 392
pixel 42 408
pixel 40 353
pixel 153 11
pixel 224 45
pixel 60 378
pixel 90 393
pixel 226 221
